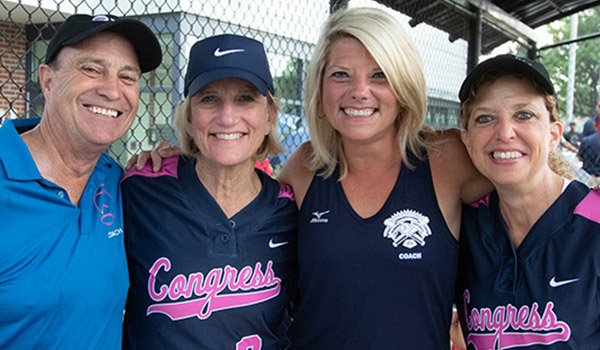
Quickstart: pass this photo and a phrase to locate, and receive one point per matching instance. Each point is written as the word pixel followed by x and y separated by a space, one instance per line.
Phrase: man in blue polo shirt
pixel 63 273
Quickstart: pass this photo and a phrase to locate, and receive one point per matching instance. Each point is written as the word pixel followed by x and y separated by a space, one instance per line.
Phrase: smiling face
pixel 229 121
pixel 92 90
pixel 509 132
pixel 357 98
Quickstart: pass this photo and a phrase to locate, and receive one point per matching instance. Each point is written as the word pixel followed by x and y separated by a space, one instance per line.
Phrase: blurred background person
pixel 588 126
pixel 265 166
pixel 589 155
pixel 571 135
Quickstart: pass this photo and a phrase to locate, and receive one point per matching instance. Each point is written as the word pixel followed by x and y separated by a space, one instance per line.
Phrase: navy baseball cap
pixel 508 63
pixel 228 56
pixel 78 28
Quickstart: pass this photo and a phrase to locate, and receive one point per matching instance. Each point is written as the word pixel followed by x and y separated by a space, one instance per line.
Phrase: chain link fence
pixel 578 88
pixel 288 29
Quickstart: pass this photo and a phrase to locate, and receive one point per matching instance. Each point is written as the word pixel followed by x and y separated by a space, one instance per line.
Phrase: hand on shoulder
pixel 162 150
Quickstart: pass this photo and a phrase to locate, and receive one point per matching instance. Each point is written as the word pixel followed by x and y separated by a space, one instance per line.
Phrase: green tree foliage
pixel 587 68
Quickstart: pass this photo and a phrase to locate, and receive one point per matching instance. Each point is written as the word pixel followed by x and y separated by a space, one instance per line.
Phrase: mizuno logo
pixel 219 53
pixel 554 283
pixel 319 217
pixel 274 245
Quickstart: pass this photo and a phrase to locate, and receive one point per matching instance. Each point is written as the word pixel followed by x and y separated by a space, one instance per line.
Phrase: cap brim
pixel 502 63
pixel 206 78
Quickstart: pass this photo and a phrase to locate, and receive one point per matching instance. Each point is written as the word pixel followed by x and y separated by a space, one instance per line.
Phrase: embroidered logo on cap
pixel 102 18
pixel 219 53
pixel 524 60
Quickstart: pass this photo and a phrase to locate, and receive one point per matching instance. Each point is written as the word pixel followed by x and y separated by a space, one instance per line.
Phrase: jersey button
pixel 61 194
pixel 225 238
pixel 232 223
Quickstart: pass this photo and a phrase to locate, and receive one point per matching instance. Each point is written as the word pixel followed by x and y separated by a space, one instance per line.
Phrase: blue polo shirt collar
pixel 18 162
pixel 14 153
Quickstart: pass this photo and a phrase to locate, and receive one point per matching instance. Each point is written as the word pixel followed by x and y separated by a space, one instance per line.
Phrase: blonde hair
pixel 269 147
pixel 389 45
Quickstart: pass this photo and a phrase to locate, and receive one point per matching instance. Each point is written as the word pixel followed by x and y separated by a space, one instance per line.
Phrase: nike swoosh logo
pixel 554 283
pixel 219 53
pixel 274 245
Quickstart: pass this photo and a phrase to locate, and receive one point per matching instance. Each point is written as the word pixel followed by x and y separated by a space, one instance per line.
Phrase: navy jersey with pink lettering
pixel 201 280
pixel 383 282
pixel 545 294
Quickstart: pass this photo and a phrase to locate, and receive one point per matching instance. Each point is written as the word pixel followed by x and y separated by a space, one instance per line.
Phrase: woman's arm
pixel 295 173
pixel 455 178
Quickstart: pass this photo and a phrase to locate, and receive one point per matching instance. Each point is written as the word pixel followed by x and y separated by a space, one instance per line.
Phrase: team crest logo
pixel 407 227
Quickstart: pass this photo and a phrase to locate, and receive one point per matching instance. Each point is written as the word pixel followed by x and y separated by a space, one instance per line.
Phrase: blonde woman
pixel 379 210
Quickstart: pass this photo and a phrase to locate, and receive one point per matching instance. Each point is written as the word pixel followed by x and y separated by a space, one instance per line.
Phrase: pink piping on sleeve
pixel 286 191
pixel 589 207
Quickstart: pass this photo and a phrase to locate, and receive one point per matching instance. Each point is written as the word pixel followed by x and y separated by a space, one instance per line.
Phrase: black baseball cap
pixel 228 56
pixel 507 63
pixel 78 28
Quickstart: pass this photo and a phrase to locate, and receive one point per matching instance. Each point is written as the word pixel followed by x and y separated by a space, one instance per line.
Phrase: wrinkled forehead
pixel 100 46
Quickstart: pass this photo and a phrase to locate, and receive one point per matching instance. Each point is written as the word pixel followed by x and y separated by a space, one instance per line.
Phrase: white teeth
pixel 507 155
pixel 358 112
pixel 103 111
pixel 229 136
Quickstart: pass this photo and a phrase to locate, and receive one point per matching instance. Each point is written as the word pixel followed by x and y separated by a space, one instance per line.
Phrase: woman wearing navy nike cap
pixel 210 240
pixel 529 261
